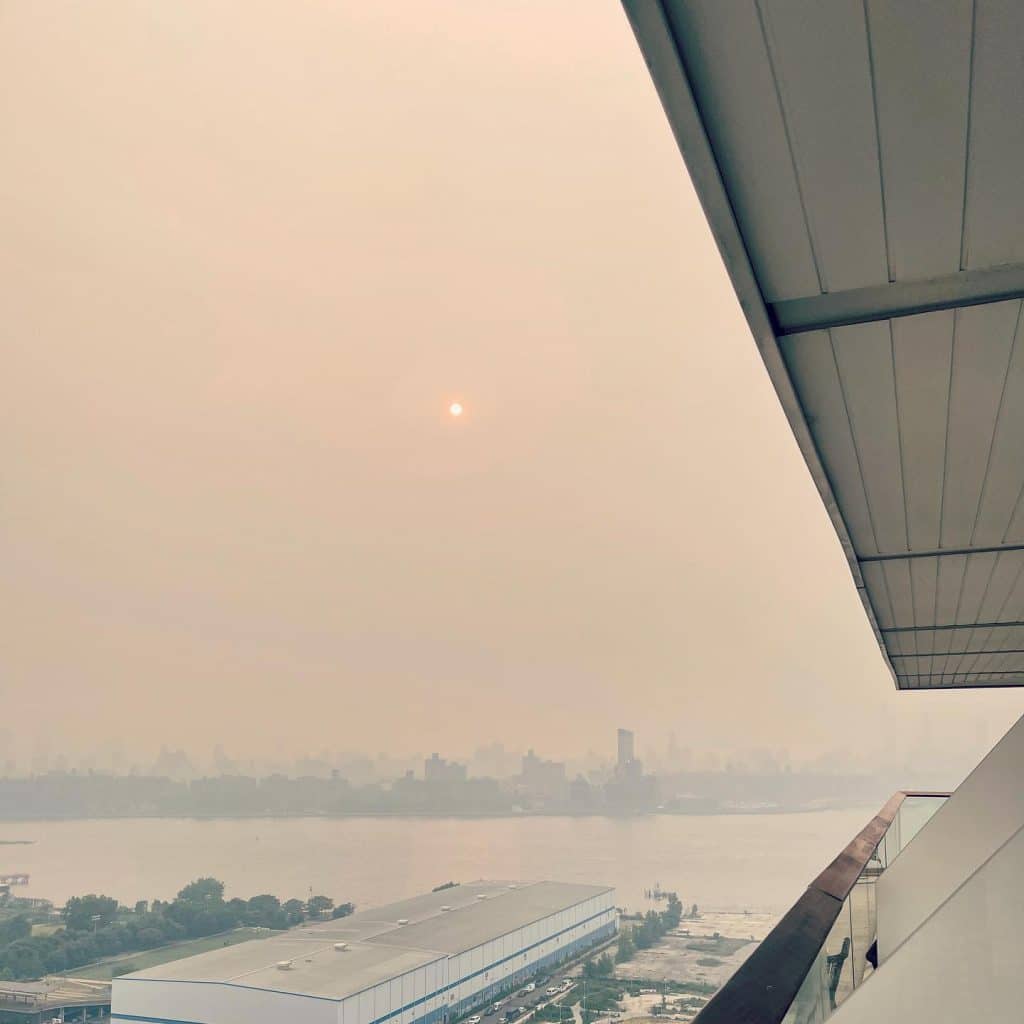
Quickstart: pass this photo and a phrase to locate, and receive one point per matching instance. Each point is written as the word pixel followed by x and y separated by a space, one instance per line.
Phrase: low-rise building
pixel 425 960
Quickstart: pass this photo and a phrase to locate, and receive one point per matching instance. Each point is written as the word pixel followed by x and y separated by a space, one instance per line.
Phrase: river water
pixel 756 862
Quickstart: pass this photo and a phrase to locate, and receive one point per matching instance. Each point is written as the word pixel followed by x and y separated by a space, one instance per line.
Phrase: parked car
pixel 552 991
pixel 530 987
pixel 474 1020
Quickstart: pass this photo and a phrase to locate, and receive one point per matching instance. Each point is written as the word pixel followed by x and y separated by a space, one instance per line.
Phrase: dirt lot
pixel 693 953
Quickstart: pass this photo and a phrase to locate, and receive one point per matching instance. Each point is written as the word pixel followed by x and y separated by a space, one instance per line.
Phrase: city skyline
pixel 496 760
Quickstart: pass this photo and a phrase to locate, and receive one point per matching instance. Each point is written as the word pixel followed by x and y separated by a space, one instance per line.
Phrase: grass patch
pixel 720 946
pixel 140 961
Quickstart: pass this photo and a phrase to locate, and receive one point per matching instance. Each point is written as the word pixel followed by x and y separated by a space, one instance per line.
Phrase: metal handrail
pixel 764 986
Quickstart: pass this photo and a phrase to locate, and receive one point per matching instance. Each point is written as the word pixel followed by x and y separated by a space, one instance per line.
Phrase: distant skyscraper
pixel 543 779
pixel 437 769
pixel 627 753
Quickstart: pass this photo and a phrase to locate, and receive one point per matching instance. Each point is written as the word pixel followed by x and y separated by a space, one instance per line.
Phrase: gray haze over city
pixel 249 264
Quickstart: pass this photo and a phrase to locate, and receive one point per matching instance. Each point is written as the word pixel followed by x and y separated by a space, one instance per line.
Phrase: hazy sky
pixel 250 252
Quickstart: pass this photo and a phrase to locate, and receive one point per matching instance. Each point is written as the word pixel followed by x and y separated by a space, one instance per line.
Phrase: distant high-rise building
pixel 629 790
pixel 437 769
pixel 542 778
pixel 627 752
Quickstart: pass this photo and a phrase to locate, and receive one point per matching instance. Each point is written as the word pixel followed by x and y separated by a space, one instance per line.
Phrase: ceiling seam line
pixel 860 471
pixel 945 469
pixel 988 467
pixel 1020 493
pixel 967 136
pixel 777 86
pixel 1009 593
pixel 878 138
pixel 995 423
pixel 903 473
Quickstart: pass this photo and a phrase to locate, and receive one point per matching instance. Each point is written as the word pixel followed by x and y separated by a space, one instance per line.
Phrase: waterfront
pixel 757 862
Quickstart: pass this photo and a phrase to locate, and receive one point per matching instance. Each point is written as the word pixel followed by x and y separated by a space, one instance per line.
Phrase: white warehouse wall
pixel 380 1000
pixel 215 1003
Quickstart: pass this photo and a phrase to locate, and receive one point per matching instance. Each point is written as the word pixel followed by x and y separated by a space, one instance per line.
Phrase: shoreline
pixel 423 816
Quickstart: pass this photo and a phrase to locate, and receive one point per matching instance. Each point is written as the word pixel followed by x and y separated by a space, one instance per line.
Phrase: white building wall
pixel 986 809
pixel 963 963
pixel 198 1003
pixel 499 960
pixel 402 993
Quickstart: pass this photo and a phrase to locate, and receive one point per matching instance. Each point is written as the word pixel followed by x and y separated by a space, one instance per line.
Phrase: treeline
pixel 652 927
pixel 94 927
pixel 71 795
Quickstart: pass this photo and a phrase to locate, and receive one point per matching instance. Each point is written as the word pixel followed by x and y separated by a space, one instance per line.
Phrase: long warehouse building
pixel 428 959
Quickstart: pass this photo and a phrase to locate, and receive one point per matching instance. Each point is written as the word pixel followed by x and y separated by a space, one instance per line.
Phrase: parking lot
pixel 521 1005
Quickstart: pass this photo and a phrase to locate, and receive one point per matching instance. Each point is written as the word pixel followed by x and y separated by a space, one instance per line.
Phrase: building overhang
pixel 858 164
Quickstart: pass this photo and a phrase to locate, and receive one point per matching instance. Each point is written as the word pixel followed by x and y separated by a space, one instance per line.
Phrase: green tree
pixel 202 890
pixel 87 913
pixel 295 910
pixel 24 961
pixel 318 907
pixel 343 910
pixel 674 914
pixel 15 928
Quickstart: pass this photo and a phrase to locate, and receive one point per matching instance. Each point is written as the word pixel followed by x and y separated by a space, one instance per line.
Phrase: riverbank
pixel 422 815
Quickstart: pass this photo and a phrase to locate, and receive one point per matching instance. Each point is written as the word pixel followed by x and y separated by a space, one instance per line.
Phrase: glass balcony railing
pixel 823 948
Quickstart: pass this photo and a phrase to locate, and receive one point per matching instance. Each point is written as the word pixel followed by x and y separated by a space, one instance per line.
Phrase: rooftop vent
pixel 341 946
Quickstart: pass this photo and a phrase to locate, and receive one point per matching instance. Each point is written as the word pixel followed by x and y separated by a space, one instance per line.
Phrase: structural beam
pixel 901 298
pixel 951 626
pixel 903 556
pixel 960 654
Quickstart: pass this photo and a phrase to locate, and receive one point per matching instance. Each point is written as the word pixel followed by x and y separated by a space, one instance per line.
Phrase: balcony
pixel 825 946
pixel 917 919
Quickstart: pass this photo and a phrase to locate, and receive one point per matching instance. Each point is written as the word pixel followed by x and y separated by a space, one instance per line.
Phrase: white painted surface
pixel 963 963
pixel 749 136
pixel 921 58
pixel 995 200
pixel 216 1004
pixel 820 54
pixel 984 812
